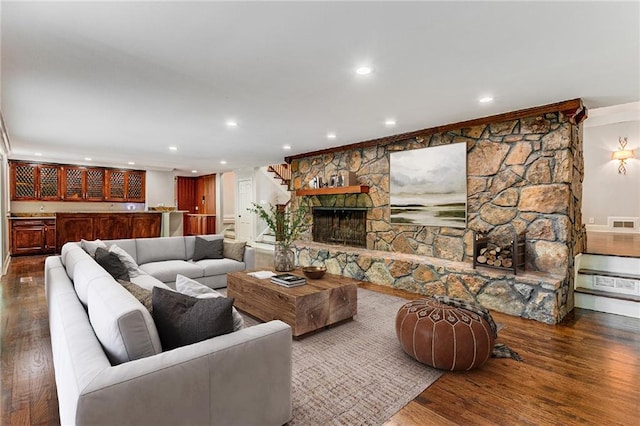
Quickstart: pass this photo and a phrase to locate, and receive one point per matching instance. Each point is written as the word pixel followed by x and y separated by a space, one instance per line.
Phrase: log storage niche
pixel 490 255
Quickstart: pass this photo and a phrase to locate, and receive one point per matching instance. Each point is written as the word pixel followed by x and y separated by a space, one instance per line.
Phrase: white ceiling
pixel 122 82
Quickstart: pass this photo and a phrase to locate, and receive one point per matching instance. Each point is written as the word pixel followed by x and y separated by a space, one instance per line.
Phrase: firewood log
pixel 481 259
pixel 507 263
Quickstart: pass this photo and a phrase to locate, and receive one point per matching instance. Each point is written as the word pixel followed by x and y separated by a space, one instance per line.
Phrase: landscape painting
pixel 428 186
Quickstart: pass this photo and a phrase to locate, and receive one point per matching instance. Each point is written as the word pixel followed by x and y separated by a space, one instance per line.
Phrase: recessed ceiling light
pixel 131 163
pixel 37 154
pixel 87 158
pixel 223 162
pixel 232 123
pixel 173 148
pixel 364 70
pixel 194 171
pixel 390 122
pixel 485 99
pixel 287 147
pixel 331 135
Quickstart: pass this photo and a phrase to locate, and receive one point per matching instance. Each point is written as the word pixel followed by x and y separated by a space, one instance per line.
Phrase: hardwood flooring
pixel 613 243
pixel 583 371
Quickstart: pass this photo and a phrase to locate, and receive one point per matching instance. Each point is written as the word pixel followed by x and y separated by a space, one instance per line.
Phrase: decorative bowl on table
pixel 314 272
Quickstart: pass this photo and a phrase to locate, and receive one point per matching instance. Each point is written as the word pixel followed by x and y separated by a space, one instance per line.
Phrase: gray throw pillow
pixel 112 264
pixel 207 249
pixel 142 294
pixel 234 250
pixel 182 320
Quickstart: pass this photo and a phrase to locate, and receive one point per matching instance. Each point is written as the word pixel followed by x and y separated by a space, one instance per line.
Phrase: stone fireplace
pixel 524 177
pixel 344 226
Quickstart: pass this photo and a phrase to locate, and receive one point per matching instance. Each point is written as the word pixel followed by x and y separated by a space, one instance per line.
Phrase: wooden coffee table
pixel 306 308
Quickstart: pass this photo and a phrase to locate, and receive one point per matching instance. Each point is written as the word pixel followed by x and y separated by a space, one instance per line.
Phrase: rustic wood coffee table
pixel 305 308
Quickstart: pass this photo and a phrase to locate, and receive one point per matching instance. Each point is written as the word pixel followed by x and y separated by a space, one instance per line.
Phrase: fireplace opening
pixel 345 226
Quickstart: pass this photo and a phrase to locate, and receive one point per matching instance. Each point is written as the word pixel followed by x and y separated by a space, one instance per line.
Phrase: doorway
pixel 244 218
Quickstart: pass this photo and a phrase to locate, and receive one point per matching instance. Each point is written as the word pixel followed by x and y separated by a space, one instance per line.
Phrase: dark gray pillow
pixel 234 251
pixel 142 294
pixel 207 249
pixel 112 264
pixel 183 320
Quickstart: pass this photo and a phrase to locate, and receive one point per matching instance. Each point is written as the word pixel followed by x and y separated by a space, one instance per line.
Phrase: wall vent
pixel 626 223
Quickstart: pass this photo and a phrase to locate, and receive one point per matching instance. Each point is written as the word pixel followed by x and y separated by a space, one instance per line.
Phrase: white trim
pixel 605 228
pixel 626 308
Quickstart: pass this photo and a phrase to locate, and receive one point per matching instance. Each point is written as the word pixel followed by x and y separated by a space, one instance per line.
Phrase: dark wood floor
pixel 584 371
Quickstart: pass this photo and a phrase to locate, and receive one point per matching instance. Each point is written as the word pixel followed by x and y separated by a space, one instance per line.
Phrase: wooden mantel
pixel 354 189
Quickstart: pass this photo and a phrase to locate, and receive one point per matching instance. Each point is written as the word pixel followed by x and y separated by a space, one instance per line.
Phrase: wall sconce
pixel 622 154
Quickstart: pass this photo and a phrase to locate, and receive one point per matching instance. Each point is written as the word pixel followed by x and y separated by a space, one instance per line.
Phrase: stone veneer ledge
pixel 531 295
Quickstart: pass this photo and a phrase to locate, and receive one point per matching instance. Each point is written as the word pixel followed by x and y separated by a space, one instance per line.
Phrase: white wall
pixel 228 196
pixel 160 188
pixel 605 192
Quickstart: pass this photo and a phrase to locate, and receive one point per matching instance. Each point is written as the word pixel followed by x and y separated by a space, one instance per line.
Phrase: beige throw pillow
pixel 142 294
pixel 234 250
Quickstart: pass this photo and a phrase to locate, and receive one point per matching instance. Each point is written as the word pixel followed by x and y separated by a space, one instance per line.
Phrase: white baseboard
pixel 605 228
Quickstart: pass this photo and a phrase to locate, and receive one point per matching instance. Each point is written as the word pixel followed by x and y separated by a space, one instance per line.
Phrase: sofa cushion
pixel 234 250
pixel 124 327
pixel 167 270
pixel 159 249
pixel 86 272
pixel 132 267
pixel 207 249
pixel 219 266
pixel 193 288
pixel 182 320
pixel 91 246
pixel 112 264
pixel 70 255
pixel 142 294
pixel 128 245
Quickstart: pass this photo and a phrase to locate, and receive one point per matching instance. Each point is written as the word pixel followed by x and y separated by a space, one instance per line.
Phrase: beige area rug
pixel 356 373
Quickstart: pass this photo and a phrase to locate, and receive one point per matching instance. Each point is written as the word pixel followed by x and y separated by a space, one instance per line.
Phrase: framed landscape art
pixel 428 186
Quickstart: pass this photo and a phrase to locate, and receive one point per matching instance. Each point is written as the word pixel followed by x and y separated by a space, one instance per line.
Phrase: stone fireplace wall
pixel 524 176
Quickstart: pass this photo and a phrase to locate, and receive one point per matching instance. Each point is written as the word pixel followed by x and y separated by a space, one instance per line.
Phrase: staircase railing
pixel 282 172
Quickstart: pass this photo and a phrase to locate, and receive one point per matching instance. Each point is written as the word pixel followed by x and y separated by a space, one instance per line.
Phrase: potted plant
pixel 287 226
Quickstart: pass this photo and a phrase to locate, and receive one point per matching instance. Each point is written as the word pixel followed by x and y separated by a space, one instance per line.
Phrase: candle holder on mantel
pixel 490 255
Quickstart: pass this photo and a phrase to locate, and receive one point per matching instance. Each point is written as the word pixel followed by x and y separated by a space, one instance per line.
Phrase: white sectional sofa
pixel 164 258
pixel 109 365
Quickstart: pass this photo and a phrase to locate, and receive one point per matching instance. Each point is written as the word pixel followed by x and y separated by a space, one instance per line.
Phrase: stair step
pixel 585 271
pixel 608 294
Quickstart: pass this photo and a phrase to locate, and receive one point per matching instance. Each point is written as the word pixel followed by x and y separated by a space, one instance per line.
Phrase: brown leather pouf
pixel 443 336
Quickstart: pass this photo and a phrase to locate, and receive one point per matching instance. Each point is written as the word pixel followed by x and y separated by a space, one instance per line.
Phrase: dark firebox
pixel 346 226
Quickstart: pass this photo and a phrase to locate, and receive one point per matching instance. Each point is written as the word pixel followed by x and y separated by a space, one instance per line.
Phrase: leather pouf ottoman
pixel 444 336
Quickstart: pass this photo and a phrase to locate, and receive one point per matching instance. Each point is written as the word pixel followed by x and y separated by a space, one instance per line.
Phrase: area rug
pixel 356 373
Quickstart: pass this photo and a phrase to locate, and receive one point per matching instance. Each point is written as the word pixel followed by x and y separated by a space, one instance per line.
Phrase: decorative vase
pixel 284 259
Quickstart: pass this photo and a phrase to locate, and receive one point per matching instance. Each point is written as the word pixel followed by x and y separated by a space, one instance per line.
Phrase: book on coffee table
pixel 288 280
